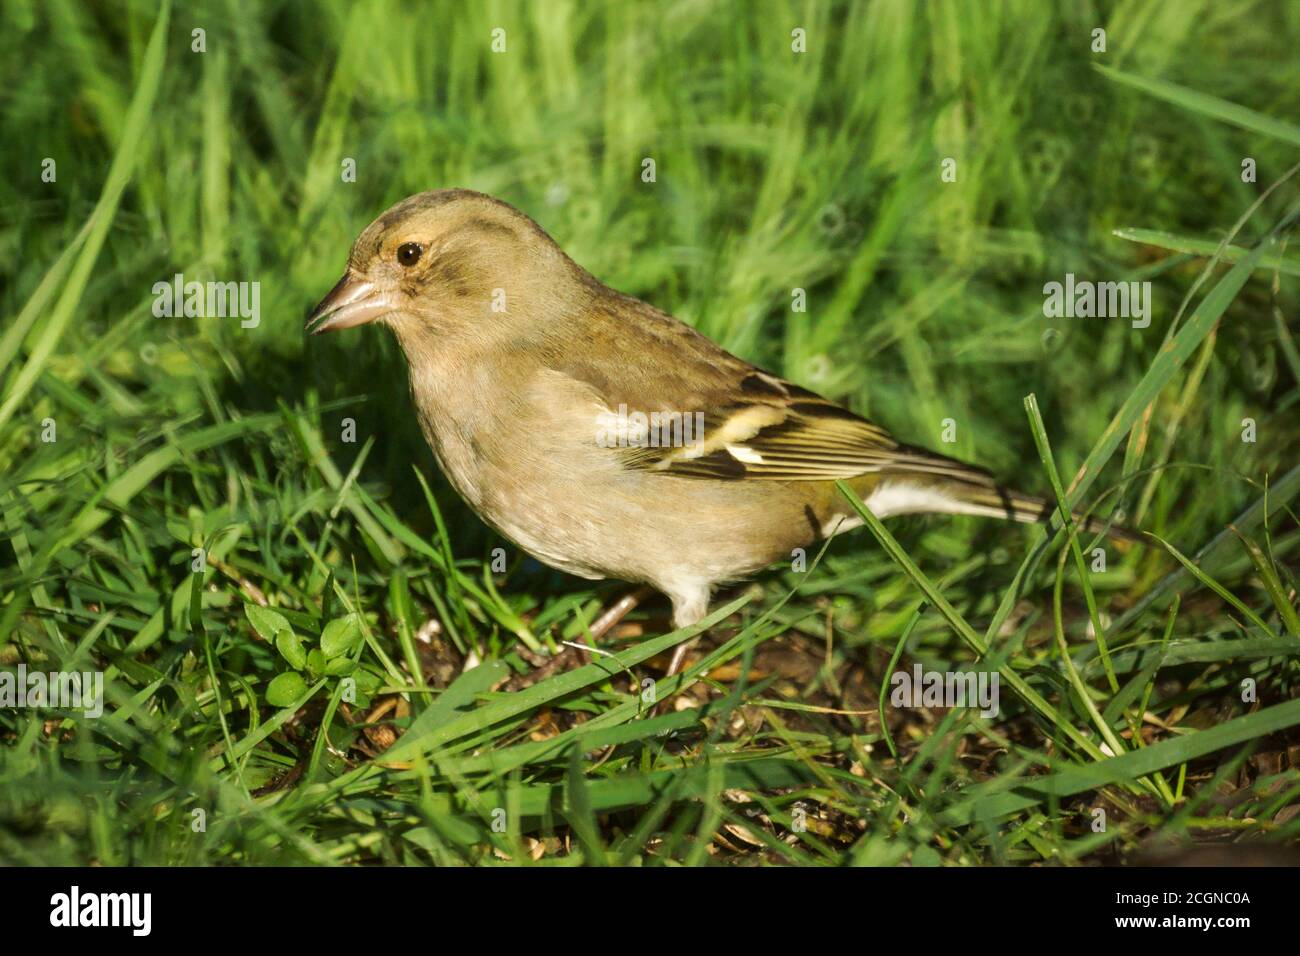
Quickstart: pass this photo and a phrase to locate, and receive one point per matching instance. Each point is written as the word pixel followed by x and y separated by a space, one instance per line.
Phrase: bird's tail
pixel 997 501
pixel 967 489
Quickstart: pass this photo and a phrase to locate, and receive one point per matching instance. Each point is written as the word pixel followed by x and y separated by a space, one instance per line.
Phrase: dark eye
pixel 408 253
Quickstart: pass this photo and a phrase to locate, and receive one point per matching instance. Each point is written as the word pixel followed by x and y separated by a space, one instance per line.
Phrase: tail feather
pixel 972 490
pixel 999 501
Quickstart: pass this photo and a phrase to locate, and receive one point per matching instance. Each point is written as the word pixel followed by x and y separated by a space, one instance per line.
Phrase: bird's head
pixel 449 264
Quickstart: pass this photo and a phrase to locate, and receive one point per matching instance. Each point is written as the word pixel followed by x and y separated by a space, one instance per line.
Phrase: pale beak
pixel 354 301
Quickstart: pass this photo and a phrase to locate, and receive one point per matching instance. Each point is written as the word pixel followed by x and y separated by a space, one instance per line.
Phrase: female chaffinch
pixel 607 438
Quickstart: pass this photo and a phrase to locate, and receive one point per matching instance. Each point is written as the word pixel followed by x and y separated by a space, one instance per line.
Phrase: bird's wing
pixel 797 436
pixel 742 422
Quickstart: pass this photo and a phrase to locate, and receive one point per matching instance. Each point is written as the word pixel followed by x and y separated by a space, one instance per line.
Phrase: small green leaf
pixel 285 689
pixel 315 663
pixel 291 649
pixel 266 622
pixel 340 636
pixel 339 666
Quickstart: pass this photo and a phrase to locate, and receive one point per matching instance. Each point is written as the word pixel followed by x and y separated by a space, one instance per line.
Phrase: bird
pixel 607 438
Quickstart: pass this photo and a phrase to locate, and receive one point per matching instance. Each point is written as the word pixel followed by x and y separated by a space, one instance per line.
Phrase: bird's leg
pixel 688 607
pixel 674 666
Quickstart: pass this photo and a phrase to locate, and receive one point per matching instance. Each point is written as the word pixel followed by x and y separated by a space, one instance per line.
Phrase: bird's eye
pixel 408 253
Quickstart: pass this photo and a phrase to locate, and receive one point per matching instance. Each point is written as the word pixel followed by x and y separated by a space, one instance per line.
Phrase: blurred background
pixel 775 170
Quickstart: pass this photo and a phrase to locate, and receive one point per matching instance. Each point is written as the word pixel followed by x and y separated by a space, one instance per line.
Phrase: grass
pixel 183 513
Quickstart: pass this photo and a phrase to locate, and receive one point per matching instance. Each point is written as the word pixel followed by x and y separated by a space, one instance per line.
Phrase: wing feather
pixel 811 439
pixel 757 426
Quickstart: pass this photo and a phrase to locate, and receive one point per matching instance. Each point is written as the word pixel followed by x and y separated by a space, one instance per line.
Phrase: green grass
pixel 1121 689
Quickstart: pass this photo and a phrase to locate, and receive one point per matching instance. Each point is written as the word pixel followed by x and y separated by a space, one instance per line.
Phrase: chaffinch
pixel 605 437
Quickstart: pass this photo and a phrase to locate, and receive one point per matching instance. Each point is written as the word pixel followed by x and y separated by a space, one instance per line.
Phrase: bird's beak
pixel 354 301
